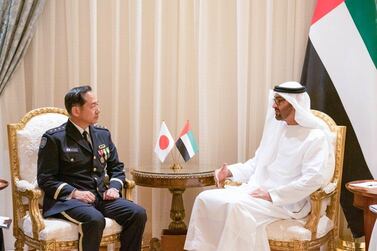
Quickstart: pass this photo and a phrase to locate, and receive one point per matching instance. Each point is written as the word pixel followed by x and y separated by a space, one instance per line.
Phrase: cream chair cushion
pixel 63 230
pixel 289 230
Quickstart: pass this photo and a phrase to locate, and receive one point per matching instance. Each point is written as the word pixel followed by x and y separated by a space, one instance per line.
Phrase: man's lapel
pixel 73 133
pixel 95 138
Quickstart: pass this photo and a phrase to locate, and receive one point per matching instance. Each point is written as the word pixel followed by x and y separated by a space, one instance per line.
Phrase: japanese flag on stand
pixel 164 142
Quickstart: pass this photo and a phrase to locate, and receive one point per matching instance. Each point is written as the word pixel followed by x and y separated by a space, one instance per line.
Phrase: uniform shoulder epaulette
pixel 97 126
pixel 56 129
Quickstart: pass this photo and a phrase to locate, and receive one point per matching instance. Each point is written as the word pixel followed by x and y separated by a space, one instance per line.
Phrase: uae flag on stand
pixel 165 142
pixel 186 143
pixel 341 78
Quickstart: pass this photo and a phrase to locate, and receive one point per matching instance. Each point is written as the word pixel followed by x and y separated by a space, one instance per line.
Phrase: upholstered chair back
pixel 28 140
pixel 24 138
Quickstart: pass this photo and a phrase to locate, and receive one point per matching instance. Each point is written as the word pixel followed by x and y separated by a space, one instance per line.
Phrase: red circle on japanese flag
pixel 163 142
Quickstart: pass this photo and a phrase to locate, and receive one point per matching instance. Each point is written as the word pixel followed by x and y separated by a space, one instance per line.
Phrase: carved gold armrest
pixel 129 185
pixel 229 182
pixel 37 221
pixel 316 199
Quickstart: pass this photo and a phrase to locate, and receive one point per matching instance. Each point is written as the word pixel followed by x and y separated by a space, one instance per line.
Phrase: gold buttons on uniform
pixel 94 157
pixel 72 159
pixel 94 169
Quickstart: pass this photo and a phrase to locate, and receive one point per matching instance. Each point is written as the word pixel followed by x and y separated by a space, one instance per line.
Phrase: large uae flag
pixel 341 78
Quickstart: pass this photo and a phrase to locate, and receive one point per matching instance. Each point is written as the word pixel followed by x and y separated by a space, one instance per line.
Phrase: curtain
pixel 211 62
pixel 17 24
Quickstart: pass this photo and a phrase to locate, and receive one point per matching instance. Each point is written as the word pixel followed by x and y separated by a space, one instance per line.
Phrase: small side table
pixel 363 198
pixel 176 180
pixel 3 184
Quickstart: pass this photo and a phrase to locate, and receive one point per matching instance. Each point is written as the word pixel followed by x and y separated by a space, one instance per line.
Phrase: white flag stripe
pixel 186 141
pixel 351 69
pixel 162 153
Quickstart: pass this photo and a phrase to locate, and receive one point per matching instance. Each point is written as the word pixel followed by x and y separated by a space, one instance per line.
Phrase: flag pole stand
pixel 175 165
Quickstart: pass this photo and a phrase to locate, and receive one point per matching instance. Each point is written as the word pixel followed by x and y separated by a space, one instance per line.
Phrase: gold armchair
pixel 29 226
pixel 321 225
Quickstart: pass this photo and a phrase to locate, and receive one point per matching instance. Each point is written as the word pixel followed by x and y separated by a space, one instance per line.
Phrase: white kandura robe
pixel 230 219
pixel 373 238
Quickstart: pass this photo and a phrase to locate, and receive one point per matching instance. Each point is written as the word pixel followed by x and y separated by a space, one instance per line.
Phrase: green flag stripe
pixel 193 142
pixel 364 14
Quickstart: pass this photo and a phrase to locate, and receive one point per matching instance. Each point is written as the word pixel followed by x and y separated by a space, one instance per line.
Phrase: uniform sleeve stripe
pixel 116 179
pixel 58 190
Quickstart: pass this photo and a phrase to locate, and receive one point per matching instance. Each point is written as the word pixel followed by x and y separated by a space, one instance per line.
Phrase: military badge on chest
pixel 104 153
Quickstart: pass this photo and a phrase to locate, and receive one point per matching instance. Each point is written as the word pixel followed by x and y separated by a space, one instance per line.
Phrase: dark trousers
pixel 91 221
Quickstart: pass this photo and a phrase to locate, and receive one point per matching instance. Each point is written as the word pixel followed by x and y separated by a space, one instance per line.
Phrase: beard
pixel 278 115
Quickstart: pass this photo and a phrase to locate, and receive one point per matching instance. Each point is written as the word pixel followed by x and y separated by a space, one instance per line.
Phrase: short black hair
pixel 75 96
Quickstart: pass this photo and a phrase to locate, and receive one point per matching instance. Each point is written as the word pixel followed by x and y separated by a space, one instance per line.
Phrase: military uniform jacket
pixel 67 162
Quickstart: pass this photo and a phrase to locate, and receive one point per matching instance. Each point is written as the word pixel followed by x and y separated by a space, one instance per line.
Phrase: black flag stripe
pixel 182 149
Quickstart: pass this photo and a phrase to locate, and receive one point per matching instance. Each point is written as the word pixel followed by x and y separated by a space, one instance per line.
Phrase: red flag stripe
pixel 323 7
pixel 185 129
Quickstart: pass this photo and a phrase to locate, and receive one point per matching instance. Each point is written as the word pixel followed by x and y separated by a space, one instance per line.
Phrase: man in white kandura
pixel 373 237
pixel 295 158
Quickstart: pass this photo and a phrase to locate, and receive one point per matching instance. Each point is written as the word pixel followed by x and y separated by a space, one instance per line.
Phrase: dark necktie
pixel 85 135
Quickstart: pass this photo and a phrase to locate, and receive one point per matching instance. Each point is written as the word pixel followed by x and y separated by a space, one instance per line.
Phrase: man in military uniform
pixel 72 162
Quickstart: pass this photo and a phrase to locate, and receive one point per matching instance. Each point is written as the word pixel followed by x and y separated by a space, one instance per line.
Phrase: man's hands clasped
pixel 89 197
